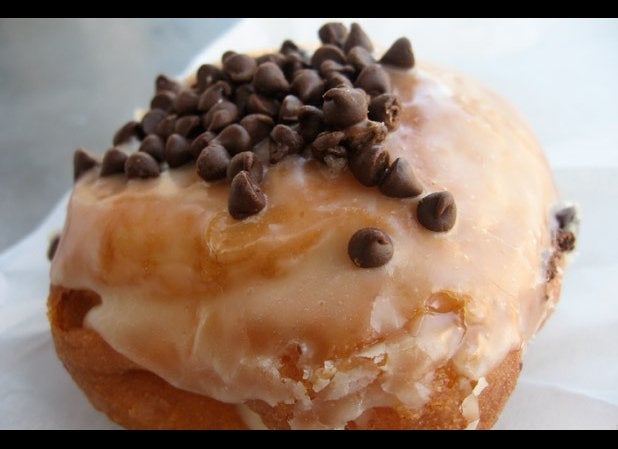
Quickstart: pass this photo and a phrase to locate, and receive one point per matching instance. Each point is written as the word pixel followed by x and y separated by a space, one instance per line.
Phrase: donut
pixel 310 241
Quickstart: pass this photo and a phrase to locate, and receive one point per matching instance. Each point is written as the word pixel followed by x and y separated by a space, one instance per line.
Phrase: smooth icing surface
pixel 272 308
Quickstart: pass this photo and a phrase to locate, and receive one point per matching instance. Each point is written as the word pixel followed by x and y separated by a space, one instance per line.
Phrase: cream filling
pixel 271 308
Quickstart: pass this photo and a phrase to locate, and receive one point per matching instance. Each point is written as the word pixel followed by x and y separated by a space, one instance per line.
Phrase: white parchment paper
pixel 562 74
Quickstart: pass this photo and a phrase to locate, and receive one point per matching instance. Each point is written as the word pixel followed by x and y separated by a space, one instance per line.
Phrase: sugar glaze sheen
pixel 232 297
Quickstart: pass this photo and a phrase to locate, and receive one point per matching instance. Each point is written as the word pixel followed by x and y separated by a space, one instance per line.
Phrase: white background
pixel 563 75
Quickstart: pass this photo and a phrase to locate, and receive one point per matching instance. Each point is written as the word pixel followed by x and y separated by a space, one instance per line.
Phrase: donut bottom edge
pixel 136 398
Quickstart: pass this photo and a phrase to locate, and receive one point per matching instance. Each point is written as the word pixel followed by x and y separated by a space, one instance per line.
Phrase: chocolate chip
pixel 386 108
pixel 166 127
pixel 308 86
pixel 326 140
pixel 333 33
pixel 259 104
pixel 279 148
pixel 284 141
pixel 247 161
pixel 186 102
pixel 258 126
pixel 370 248
pixel 141 165
pixel 227 54
pixel 277 58
pixel 357 37
pixel 311 122
pixel 437 211
pixel 177 151
pixel 400 181
pixel 364 133
pixel 326 147
pixel 234 138
pixel 83 161
pixel 330 66
pixel 270 80
pixel 374 80
pixel 566 216
pixel 113 162
pixel 565 240
pixel 344 107
pixel 336 79
pixel 290 106
pixel 220 115
pixel 338 151
pixel 246 198
pixel 163 100
pixel 293 63
pixel 201 142
pixel 369 164
pixel 213 162
pixel 360 58
pixel 208 74
pixel 127 131
pixel 188 126
pixel 53 246
pixel 288 47
pixel 154 146
pixel 327 52
pixel 400 54
pixel 241 97
pixel 214 94
pixel 165 83
pixel 240 68
pixel 151 119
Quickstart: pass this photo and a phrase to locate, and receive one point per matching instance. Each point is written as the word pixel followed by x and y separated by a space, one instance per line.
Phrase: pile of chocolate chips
pixel 335 105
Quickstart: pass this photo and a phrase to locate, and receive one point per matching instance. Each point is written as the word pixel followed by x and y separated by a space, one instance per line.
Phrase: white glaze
pixel 212 305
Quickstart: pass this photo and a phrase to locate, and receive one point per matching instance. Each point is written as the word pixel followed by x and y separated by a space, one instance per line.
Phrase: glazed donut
pixel 305 241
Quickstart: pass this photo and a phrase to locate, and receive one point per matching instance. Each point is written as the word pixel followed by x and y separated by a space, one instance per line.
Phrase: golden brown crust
pixel 129 395
pixel 138 399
